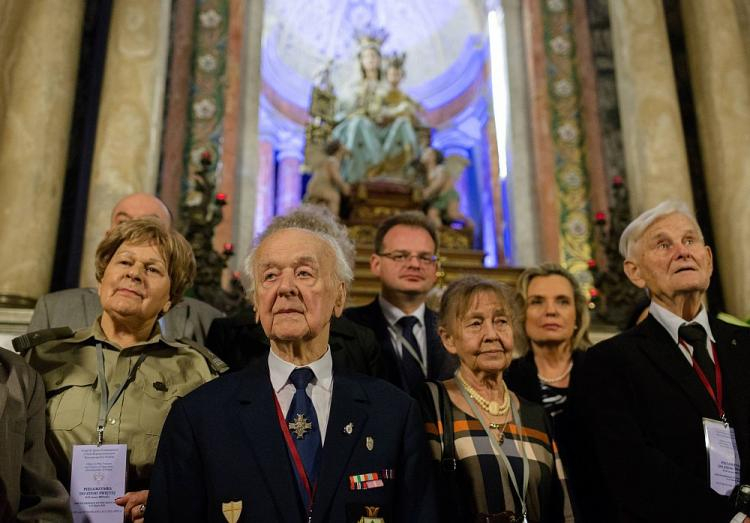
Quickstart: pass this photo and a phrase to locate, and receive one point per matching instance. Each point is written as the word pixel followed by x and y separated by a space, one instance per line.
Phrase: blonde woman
pixel 555 319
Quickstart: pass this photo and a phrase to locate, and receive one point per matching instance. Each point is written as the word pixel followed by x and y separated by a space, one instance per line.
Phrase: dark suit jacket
pixel 646 406
pixel 223 443
pixel 239 340
pixel 440 363
pixel 78 308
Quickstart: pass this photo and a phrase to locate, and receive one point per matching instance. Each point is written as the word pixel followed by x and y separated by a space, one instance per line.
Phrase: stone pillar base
pixel 14 301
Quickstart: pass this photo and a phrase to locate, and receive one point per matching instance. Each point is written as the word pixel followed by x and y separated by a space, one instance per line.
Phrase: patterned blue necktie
pixel 303 423
pixel 411 367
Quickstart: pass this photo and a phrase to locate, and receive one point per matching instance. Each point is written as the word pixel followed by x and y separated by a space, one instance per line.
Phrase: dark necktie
pixel 695 336
pixel 411 366
pixel 303 423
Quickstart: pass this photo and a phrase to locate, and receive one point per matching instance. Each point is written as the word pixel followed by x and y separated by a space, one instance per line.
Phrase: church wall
pixel 559 136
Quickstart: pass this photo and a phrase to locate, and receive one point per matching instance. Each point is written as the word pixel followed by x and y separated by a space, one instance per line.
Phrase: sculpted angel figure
pixel 440 194
pixel 327 185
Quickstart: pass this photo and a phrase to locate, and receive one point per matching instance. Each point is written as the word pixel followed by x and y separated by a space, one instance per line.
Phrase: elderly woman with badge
pixel 292 437
pixel 494 454
pixel 114 382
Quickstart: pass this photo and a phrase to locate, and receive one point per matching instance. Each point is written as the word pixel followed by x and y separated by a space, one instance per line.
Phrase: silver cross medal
pixel 300 426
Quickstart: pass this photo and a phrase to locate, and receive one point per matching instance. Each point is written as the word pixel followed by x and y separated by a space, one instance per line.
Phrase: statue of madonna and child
pixel 371 132
pixel 377 120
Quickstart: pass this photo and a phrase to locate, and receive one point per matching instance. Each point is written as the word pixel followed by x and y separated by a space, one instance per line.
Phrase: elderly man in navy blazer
pixel 293 438
pixel 667 393
pixel 405 262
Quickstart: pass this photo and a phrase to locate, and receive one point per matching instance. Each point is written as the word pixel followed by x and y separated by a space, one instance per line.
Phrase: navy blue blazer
pixel 440 363
pixel 645 408
pixel 223 443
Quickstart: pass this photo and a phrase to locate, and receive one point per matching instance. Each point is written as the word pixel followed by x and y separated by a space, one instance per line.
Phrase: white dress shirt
pixel 319 389
pixel 672 323
pixel 393 314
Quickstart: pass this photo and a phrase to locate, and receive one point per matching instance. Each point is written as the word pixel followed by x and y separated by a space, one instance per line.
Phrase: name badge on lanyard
pixel 723 458
pixel 98 471
pixel 97 478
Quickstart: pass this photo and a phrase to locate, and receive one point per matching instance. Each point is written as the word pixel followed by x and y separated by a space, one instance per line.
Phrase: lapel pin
pixel 349 428
pixel 734 343
pixel 370 442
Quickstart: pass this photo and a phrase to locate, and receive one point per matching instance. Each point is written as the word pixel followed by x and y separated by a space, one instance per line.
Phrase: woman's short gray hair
pixel 322 223
pixel 637 227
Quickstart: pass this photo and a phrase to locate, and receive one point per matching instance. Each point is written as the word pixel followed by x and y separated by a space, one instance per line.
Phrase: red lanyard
pixel 299 467
pixel 718 396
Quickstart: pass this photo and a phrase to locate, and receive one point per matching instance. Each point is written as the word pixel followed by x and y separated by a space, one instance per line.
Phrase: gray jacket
pixel 33 492
pixel 78 308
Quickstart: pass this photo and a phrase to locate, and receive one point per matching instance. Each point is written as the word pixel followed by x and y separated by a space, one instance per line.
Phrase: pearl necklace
pixel 557 378
pixel 493 407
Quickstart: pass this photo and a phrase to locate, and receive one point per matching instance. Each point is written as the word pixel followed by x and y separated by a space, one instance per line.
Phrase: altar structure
pixel 556 121
pixel 386 96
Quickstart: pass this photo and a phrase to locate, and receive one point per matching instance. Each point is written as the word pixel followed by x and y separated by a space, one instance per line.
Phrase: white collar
pixel 393 314
pixel 672 323
pixel 279 370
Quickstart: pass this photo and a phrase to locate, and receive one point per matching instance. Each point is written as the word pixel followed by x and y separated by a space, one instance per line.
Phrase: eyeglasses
pixel 404 256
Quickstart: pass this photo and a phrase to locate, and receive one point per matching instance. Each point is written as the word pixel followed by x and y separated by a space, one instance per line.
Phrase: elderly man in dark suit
pixel 405 262
pixel 240 339
pixel 294 438
pixel 660 393
pixel 78 308
pixel 29 490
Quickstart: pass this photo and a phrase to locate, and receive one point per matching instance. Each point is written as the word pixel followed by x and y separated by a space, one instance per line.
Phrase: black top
pixel 239 340
pixel 567 426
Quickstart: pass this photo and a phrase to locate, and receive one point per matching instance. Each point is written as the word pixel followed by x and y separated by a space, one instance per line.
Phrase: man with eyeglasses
pixel 405 262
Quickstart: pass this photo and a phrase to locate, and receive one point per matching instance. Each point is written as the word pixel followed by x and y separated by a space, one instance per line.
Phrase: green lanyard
pixel 499 451
pixel 106 403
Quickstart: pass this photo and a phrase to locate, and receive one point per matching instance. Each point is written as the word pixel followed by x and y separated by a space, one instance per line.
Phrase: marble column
pixel 265 191
pixel 655 158
pixel 289 185
pixel 252 163
pixel 129 127
pixel 520 182
pixel 720 76
pixel 39 48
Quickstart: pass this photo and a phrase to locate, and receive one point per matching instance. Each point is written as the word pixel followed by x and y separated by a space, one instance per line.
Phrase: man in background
pixel 405 262
pixel 78 308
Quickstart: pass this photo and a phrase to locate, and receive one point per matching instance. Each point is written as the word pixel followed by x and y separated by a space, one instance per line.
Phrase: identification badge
pixel 723 458
pixel 97 478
